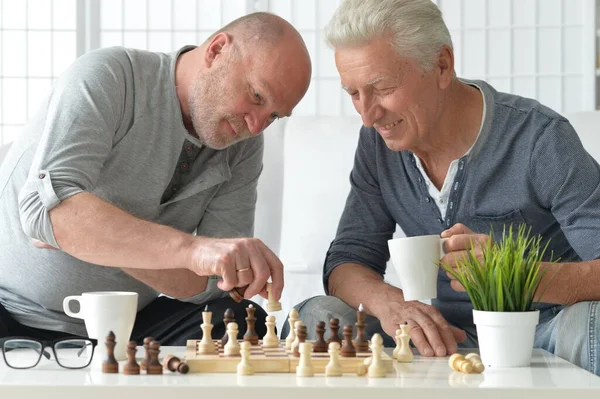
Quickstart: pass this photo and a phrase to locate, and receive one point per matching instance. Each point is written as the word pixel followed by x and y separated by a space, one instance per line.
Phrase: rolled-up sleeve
pixel 366 224
pixel 80 122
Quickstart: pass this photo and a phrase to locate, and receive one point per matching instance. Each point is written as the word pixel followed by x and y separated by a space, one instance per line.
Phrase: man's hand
pixel 241 262
pixel 429 331
pixel 460 240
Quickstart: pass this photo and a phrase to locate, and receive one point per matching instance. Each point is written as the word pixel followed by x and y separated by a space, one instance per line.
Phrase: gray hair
pixel 416 27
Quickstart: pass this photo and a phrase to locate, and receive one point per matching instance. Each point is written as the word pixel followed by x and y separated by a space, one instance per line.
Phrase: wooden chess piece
pixel 334 326
pixel 110 364
pixel 292 318
pixel 376 369
pixel 404 354
pixel 250 334
pixel 154 366
pixel 475 360
pixel 237 294
pixel 334 367
pixel 206 345
pixel 320 345
pixel 174 364
pixel 270 340
pixel 297 325
pixel 244 367
pixel 360 342
pixel 228 317
pixel 146 358
pixel 458 363
pixel 305 367
pixel 232 347
pixel 398 343
pixel 272 304
pixel 301 335
pixel 131 367
pixel 348 349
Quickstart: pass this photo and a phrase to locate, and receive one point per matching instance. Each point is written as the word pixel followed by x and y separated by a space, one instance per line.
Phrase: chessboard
pixel 269 360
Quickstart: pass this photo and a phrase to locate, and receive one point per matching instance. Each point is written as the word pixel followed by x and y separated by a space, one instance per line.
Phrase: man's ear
pixel 445 66
pixel 215 48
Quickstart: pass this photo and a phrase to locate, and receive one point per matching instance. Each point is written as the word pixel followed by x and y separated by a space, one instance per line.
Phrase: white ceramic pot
pixel 506 338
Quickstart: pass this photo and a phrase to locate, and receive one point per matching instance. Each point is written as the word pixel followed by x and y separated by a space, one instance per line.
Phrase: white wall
pixel 536 48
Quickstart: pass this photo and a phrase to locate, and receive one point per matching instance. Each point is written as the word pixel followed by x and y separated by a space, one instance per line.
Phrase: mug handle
pixel 442 252
pixel 67 302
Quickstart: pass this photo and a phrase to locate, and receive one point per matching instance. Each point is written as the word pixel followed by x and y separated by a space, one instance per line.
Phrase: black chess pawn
pixel 154 366
pixel 250 334
pixel 320 345
pixel 146 358
pixel 228 317
pixel 131 367
pixel 348 349
pixel 301 335
pixel 334 326
pixel 110 364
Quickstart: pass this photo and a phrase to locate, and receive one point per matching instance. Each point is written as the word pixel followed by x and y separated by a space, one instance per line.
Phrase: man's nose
pixel 256 122
pixel 369 110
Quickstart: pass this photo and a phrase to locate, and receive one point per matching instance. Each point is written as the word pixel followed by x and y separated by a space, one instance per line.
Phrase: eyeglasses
pixel 25 353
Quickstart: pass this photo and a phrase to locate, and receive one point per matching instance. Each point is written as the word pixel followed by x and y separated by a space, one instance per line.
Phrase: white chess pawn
pixel 293 316
pixel 272 304
pixel 244 367
pixel 376 369
pixel 297 339
pixel 334 367
pixel 206 346
pixel 404 354
pixel 398 344
pixel 270 340
pixel 232 347
pixel 305 367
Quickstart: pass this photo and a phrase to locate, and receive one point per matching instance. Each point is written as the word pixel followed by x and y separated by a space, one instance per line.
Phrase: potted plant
pixel 502 287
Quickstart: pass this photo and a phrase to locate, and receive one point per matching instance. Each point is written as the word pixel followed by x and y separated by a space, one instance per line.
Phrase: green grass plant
pixel 509 275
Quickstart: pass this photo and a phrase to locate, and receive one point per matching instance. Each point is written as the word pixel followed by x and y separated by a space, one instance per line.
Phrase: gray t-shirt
pixel 527 166
pixel 112 126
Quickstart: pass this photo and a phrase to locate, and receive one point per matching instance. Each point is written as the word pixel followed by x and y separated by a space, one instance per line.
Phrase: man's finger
pixel 276 270
pixel 459 334
pixel 260 271
pixel 418 338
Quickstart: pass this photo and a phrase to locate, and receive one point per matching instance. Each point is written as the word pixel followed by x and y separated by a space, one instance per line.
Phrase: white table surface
pixel 548 377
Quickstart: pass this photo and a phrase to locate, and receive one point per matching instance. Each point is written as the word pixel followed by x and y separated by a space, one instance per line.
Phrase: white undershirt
pixel 440 197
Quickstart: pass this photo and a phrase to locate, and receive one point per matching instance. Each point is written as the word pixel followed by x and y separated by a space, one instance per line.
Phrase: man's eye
pixel 257 96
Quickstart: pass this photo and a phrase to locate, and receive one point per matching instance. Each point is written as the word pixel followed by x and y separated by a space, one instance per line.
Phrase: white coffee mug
pixel 104 312
pixel 415 260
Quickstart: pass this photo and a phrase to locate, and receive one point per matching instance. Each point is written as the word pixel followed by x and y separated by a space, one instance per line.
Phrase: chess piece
pixel 398 343
pixel 232 348
pixel 305 367
pixel 272 304
pixel 131 367
pixel 146 358
pixel 348 349
pixel 174 364
pixel 292 318
pixel 237 294
pixel 297 324
pixel 270 340
pixel 110 364
pixel 301 336
pixel 228 317
pixel 154 366
pixel 458 362
pixel 334 326
pixel 376 369
pixel 334 367
pixel 360 342
pixel 250 334
pixel 245 367
pixel 475 360
pixel 206 345
pixel 320 345
pixel 404 354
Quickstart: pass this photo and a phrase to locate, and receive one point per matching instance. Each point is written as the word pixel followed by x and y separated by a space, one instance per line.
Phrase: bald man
pixel 134 152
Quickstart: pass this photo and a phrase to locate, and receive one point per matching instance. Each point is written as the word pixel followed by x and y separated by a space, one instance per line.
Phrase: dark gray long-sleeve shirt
pixel 112 127
pixel 527 166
